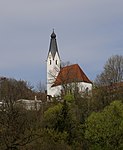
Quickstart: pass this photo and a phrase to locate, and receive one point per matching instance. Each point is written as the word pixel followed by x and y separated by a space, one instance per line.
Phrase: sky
pixel 88 33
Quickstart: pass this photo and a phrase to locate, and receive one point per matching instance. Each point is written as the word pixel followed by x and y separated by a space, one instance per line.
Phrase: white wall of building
pixel 53 68
pixel 82 87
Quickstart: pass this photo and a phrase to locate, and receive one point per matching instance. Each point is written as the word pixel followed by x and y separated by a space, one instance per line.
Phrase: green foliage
pixel 50 140
pixel 104 129
pixel 61 119
pixel 69 97
pixel 51 115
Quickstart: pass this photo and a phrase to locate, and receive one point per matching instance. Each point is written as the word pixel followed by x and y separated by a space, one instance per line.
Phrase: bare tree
pixel 113 71
pixel 12 89
pixel 109 84
pixel 41 87
pixel 17 126
pixel 41 92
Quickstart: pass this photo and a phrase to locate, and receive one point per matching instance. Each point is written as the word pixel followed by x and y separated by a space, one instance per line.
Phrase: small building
pixel 29 104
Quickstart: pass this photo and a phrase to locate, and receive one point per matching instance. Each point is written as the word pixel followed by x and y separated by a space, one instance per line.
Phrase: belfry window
pixel 50 62
pixel 56 62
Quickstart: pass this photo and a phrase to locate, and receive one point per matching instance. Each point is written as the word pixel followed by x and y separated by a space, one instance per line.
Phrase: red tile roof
pixel 69 74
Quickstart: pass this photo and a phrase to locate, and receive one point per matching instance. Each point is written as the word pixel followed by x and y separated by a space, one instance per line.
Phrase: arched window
pixel 50 62
pixel 87 90
pixel 56 62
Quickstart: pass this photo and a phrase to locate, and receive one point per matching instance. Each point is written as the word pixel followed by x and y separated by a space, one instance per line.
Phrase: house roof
pixel 53 45
pixel 69 74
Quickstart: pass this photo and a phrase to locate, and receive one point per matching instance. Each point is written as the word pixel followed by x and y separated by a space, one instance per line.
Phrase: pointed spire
pixel 53 44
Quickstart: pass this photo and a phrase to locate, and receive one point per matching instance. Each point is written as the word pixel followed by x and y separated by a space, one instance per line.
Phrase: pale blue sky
pixel 88 33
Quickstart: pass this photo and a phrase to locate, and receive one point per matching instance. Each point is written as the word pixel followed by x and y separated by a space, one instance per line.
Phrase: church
pixel 62 79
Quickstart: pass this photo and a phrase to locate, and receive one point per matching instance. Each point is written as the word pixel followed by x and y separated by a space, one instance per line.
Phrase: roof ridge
pixel 70 65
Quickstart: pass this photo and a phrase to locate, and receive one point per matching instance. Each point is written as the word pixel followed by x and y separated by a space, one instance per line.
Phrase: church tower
pixel 53 64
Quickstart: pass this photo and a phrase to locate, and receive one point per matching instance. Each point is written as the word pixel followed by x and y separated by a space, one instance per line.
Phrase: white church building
pixel 59 78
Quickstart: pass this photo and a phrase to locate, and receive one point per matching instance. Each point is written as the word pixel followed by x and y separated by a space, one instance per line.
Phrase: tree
pixel 104 130
pixel 11 89
pixel 113 71
pixel 41 92
pixel 18 127
pixel 61 118
pixel 50 140
pixel 109 84
pixel 51 115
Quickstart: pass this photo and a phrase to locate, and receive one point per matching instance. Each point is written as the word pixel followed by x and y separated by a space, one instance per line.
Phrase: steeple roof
pixel 53 45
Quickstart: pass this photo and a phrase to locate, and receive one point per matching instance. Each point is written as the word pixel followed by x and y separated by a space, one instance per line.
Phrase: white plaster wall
pixel 83 86
pixel 52 72
pixel 56 91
